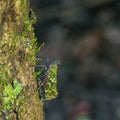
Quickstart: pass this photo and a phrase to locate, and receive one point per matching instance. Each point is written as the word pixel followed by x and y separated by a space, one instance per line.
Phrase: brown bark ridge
pixel 17 60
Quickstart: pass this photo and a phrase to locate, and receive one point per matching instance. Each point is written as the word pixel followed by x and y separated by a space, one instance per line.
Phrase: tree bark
pixel 17 61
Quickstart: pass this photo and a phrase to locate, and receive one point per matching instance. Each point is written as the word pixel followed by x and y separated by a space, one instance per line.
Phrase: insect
pixel 47 80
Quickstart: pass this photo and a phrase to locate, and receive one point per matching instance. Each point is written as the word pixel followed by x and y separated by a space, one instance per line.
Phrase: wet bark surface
pixel 17 60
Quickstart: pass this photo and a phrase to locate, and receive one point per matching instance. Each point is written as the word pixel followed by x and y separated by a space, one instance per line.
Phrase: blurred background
pixel 85 36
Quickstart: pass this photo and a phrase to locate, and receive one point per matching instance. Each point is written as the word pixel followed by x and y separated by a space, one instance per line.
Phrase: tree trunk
pixel 19 99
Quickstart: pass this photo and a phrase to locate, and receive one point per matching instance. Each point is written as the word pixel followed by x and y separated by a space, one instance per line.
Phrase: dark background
pixel 85 36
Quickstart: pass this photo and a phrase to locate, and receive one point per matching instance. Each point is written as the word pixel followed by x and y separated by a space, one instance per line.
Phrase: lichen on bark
pixel 17 59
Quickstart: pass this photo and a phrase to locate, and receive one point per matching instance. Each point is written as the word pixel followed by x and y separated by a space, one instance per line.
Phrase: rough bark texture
pixel 17 60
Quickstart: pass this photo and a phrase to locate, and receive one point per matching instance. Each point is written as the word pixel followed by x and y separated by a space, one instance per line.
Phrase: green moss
pixel 10 93
pixel 17 52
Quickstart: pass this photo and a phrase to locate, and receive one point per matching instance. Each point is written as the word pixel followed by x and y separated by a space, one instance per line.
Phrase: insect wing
pixel 51 85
